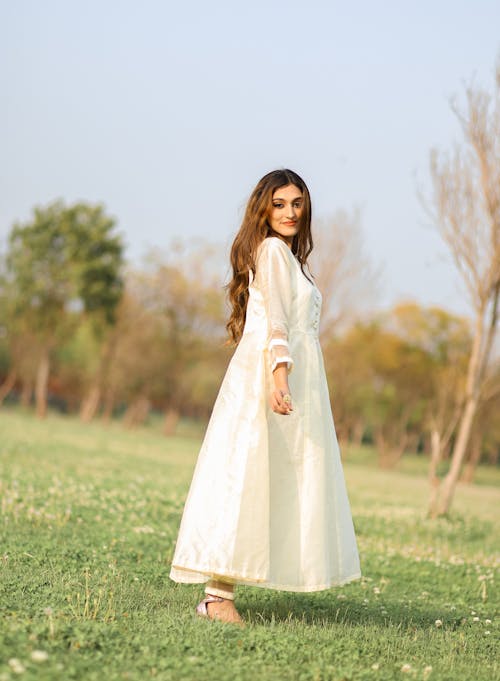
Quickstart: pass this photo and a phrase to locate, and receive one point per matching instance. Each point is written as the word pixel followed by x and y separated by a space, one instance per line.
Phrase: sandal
pixel 201 608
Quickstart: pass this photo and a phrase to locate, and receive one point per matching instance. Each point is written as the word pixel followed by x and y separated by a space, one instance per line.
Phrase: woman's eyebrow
pixel 277 198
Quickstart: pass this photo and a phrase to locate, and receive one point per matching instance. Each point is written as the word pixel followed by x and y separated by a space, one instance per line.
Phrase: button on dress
pixel 268 504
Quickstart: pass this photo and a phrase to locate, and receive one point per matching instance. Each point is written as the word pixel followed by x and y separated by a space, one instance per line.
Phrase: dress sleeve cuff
pixel 281 360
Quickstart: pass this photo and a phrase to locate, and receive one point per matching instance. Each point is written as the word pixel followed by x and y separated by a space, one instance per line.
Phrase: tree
pixel 167 347
pixel 485 436
pixel 62 265
pixel 344 273
pixel 184 294
pixel 380 383
pixel 466 209
pixel 446 340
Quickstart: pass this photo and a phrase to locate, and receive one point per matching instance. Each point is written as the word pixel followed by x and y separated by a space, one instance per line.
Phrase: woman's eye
pixel 277 205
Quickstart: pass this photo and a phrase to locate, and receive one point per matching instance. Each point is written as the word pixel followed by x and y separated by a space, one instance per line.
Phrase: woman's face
pixel 286 211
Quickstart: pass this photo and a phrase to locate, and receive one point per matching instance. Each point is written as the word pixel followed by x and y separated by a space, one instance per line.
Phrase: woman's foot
pixel 221 609
pixel 225 612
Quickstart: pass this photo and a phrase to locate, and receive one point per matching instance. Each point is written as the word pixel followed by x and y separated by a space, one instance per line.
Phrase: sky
pixel 170 112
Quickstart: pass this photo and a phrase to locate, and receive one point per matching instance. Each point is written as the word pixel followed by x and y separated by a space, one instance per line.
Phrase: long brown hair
pixel 254 229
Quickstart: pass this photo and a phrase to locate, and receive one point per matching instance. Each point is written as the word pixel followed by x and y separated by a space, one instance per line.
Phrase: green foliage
pixel 88 520
pixel 62 269
pixel 65 259
pixel 399 375
pixel 168 344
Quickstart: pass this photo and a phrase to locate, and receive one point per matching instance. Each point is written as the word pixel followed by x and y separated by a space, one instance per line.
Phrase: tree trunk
pixel 8 384
pixel 493 456
pixel 475 456
pixel 172 417
pixel 42 383
pixel 388 453
pixel 412 442
pixel 476 362
pixel 342 433
pixel 357 433
pixel 90 404
pixel 426 446
pixel 436 453
pixel 26 393
pixel 137 412
pixel 450 481
pixel 109 405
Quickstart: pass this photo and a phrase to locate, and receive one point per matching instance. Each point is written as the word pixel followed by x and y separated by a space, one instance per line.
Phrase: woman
pixel 267 504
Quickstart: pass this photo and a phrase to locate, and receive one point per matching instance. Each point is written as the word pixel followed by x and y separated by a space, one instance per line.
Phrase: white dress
pixel 268 504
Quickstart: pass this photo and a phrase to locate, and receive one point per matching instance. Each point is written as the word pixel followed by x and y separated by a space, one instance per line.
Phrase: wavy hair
pixel 254 229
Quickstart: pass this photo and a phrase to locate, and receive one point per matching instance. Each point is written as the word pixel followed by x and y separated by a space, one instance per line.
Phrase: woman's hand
pixel 281 401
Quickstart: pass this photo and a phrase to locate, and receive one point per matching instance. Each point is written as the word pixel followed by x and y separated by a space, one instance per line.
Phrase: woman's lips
pixel 291 223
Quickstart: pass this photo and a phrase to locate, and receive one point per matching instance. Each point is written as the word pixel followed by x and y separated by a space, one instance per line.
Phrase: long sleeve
pixel 273 278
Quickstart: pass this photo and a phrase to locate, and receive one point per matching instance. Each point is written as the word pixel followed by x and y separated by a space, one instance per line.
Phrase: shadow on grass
pixel 304 608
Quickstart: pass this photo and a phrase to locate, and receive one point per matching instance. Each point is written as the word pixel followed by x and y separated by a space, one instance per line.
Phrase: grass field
pixel 89 516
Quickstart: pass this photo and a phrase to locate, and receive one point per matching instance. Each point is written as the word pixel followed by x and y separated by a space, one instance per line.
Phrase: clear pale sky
pixel 169 113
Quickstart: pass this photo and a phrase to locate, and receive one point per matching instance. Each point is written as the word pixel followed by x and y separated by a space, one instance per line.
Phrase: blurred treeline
pixel 82 329
pixel 96 337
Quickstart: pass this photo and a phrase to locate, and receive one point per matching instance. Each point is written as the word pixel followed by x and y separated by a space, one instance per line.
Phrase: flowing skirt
pixel 268 504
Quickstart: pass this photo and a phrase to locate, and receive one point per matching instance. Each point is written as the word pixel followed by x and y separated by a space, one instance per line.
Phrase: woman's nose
pixel 291 212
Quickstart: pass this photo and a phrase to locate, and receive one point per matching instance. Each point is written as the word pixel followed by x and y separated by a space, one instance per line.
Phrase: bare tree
pixel 344 273
pixel 486 431
pixel 466 209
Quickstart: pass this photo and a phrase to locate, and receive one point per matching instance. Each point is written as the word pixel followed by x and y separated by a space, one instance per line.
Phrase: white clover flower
pixel 16 665
pixel 406 668
pixel 475 619
pixel 375 665
pixel 48 611
pixel 487 633
pixel 487 621
pixel 438 623
pixel 39 655
pixel 376 590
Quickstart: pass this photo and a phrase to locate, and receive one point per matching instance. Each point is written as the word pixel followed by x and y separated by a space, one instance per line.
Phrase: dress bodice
pixel 302 297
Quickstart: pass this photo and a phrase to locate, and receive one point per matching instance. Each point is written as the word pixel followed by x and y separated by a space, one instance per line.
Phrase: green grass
pixel 88 520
